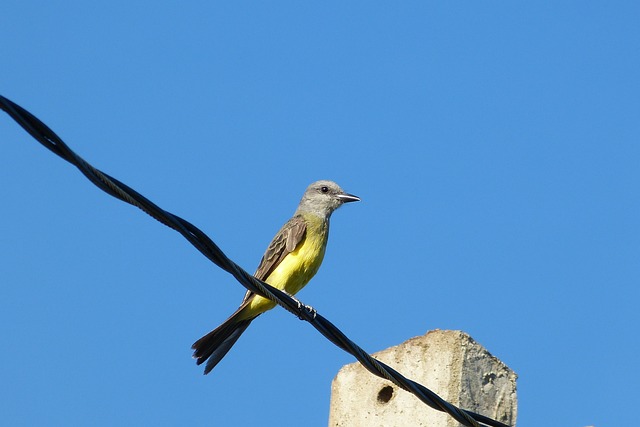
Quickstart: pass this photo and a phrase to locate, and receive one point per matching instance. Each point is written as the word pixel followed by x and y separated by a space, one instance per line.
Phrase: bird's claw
pixel 302 306
pixel 311 310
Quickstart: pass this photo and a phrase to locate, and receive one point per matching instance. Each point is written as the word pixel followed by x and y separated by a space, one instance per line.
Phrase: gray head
pixel 324 197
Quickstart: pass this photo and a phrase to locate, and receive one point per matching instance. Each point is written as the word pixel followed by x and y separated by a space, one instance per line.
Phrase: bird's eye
pixel 324 189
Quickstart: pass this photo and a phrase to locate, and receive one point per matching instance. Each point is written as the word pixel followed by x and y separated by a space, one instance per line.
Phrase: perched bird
pixel 291 260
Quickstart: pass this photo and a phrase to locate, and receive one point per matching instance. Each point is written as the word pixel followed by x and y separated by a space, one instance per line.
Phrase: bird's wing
pixel 284 242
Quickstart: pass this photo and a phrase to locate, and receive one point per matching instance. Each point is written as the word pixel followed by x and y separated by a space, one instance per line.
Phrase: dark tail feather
pixel 217 343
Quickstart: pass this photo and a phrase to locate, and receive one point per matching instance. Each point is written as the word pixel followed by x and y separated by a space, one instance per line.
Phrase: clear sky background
pixel 495 146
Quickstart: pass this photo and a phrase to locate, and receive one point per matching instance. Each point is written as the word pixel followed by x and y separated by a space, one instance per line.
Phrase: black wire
pixel 43 134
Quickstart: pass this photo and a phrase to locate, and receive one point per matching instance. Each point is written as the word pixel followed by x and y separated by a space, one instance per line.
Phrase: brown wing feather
pixel 284 242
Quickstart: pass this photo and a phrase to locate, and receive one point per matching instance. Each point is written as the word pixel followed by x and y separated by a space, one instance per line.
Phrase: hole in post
pixel 385 394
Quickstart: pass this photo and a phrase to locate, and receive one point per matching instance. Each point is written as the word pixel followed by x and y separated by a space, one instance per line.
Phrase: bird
pixel 292 258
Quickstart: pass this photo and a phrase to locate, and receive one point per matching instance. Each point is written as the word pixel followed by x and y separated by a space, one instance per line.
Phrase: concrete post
pixel 449 363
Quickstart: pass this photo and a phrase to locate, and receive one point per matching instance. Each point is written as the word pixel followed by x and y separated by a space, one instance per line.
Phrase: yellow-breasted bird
pixel 291 260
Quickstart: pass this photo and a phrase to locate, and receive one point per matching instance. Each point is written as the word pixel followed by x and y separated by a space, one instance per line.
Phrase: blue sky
pixel 495 147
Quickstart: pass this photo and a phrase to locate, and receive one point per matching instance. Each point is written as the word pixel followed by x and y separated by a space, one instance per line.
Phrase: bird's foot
pixel 311 310
pixel 302 306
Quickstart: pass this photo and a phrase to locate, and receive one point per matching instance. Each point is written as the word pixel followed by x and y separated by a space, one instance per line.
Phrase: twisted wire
pixel 47 137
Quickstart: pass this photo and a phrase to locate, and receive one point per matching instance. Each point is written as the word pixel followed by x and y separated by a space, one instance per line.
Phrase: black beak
pixel 346 198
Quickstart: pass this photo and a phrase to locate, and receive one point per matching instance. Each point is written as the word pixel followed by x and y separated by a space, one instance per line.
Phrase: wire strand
pixel 47 137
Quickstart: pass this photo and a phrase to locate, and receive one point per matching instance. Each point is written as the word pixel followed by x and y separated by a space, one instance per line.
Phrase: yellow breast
pixel 299 266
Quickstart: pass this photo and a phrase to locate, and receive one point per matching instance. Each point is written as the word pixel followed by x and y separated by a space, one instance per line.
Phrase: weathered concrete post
pixel 449 363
